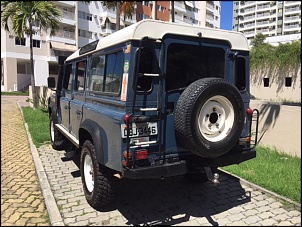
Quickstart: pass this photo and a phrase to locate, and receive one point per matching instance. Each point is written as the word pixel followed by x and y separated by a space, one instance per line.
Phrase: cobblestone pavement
pixel 22 202
pixel 173 201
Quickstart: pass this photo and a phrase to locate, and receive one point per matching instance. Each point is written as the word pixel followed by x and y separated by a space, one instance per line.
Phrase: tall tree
pixel 20 17
pixel 121 7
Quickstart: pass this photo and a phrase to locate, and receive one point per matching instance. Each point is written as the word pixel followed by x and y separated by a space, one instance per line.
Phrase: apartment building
pixel 280 21
pixel 83 23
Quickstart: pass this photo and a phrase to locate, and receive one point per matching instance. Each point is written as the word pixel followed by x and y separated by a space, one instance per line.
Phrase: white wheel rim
pixel 52 131
pixel 216 118
pixel 88 173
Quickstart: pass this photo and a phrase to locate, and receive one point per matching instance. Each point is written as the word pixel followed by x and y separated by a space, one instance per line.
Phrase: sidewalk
pixel 22 201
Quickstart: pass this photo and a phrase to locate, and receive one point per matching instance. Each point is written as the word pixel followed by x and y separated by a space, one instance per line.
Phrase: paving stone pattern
pixel 173 201
pixel 22 202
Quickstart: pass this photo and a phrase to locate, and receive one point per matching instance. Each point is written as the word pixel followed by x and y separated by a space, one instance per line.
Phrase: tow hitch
pixel 212 177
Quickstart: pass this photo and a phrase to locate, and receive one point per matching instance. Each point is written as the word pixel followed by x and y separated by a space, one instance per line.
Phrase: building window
pixel 266 82
pixel 89 16
pixel 81 33
pixel 20 41
pixel 288 81
pixel 36 43
pixel 81 15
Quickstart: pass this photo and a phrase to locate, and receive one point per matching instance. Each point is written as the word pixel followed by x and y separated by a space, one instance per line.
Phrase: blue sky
pixel 226 15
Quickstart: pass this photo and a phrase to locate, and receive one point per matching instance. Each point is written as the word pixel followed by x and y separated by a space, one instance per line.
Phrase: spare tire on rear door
pixel 209 117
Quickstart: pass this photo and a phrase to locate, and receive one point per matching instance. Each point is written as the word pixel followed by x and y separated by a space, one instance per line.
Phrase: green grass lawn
pixel 274 171
pixel 20 93
pixel 38 125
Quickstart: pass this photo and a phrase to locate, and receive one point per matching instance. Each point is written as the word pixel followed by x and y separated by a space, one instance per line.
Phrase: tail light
pixel 249 111
pixel 141 154
pixel 127 118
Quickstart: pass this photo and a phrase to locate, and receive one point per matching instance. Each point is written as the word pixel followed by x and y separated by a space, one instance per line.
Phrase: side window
pixel 144 83
pixel 106 73
pixel 240 74
pixel 97 70
pixel 80 75
pixel 67 81
pixel 114 72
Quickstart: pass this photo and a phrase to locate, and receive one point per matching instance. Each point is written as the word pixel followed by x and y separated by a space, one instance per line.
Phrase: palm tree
pixel 126 7
pixel 20 16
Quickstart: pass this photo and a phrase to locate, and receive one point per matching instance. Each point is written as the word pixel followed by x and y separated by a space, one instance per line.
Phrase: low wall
pixel 279 126
pixel 41 91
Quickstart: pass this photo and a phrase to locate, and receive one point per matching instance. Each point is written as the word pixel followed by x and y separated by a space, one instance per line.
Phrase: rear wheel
pixel 98 181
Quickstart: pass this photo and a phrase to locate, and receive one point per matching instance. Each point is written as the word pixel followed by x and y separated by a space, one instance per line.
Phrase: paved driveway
pixel 173 201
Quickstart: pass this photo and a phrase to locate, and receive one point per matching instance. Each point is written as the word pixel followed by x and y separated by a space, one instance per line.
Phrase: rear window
pixel 188 63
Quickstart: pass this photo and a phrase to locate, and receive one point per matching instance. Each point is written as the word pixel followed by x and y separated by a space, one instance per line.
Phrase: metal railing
pixel 65 34
pixel 68 15
pixel 24 86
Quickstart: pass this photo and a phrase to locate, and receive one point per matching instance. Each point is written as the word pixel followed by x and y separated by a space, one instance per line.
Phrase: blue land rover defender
pixel 154 100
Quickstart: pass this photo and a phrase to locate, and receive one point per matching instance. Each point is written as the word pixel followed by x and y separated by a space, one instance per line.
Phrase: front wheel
pixel 57 140
pixel 98 181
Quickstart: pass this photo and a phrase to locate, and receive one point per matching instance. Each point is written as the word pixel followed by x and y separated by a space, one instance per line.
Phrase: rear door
pixel 78 98
pixel 66 95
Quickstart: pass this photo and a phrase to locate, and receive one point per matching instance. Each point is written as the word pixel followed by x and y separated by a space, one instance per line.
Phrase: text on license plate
pixel 144 129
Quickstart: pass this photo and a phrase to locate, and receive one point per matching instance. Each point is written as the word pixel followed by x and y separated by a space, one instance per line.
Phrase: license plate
pixel 137 130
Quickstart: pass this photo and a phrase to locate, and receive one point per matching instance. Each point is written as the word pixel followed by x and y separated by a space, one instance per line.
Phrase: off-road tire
pixel 57 140
pixel 98 181
pixel 209 117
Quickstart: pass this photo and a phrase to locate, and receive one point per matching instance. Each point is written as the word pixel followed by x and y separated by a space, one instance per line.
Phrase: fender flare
pixel 95 132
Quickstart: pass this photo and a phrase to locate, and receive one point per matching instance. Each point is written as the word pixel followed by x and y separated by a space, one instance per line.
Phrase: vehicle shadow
pixel 174 200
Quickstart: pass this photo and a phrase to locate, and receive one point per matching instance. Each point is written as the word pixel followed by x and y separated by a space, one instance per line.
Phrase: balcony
pixel 263 6
pixel 263 30
pixel 66 3
pixel 249 2
pixel 262 22
pixel 179 6
pixel 65 34
pixel 264 15
pixel 293 9
pixel 292 18
pixel 293 26
pixel 68 15
pixel 210 6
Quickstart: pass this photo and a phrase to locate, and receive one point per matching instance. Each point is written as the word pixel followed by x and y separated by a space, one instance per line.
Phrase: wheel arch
pixel 90 130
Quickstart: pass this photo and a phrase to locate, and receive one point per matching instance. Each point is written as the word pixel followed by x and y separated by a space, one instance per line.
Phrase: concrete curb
pixel 50 202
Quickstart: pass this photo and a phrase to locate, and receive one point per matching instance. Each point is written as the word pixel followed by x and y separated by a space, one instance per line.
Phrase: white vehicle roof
pixel 157 29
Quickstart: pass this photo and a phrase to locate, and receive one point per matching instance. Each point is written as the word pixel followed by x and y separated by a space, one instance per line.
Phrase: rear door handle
pixel 79 112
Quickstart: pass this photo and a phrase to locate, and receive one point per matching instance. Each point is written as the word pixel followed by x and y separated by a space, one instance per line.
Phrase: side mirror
pixel 51 82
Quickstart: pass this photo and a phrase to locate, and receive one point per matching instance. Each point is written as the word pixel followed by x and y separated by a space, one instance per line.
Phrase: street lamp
pixel 238 20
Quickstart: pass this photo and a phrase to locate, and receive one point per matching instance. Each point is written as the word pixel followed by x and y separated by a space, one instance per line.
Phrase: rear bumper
pixel 157 171
pixel 180 167
pixel 230 158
